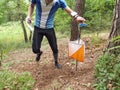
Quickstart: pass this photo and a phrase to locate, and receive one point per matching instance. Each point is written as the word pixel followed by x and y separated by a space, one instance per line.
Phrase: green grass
pixel 15 81
pixel 96 40
pixel 11 37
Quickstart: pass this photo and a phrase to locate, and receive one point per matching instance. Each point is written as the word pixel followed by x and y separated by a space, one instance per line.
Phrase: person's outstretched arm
pixel 30 11
pixel 74 15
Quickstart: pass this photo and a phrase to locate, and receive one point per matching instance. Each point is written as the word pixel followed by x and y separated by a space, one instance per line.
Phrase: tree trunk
pixel 30 37
pixel 79 8
pixel 115 30
pixel 21 21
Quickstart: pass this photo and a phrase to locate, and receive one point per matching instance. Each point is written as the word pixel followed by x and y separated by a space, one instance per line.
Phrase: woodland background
pixel 15 36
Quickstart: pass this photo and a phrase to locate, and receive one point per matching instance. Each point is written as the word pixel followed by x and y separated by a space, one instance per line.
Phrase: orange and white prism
pixel 77 50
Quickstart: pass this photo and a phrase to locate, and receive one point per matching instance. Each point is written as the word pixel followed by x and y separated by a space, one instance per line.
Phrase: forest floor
pixel 48 77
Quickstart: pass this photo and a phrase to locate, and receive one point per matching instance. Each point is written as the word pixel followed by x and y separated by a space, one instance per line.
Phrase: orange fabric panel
pixel 79 54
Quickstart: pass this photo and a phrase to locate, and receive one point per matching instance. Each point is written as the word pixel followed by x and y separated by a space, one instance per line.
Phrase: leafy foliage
pixel 9 10
pixel 63 20
pixel 95 13
pixel 98 13
pixel 108 69
pixel 116 48
pixel 108 72
pixel 116 39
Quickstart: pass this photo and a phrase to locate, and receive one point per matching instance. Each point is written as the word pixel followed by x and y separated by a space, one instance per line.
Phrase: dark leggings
pixel 38 37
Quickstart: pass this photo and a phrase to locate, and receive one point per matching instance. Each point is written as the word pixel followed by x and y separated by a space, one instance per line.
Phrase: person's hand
pixel 28 20
pixel 80 19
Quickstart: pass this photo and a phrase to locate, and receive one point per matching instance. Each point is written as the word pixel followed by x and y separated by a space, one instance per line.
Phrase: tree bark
pixel 79 8
pixel 21 21
pixel 115 30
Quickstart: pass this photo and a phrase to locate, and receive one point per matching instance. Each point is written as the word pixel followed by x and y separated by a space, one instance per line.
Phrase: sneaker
pixel 58 66
pixel 38 56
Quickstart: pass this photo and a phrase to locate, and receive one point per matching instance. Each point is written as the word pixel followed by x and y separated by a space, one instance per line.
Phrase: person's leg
pixel 36 43
pixel 50 34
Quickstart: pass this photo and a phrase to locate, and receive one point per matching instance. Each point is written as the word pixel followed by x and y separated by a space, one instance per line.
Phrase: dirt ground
pixel 48 77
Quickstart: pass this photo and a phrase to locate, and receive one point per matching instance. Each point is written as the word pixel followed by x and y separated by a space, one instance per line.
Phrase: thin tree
pixel 79 8
pixel 115 30
pixel 21 21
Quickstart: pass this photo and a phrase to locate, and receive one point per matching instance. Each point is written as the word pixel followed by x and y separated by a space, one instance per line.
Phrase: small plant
pixel 108 72
pixel 95 40
pixel 116 45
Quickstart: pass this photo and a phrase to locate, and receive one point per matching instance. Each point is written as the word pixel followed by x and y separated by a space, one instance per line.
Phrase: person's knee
pixel 36 51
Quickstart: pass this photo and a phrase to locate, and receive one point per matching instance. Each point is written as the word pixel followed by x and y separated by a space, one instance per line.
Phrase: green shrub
pixel 107 72
pixel 95 14
pixel 116 46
